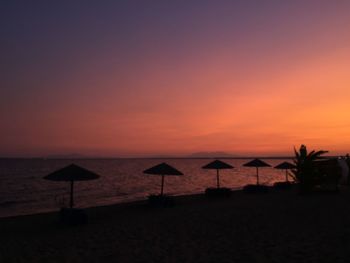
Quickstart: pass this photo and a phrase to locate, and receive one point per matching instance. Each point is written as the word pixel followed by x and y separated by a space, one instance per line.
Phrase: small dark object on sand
pixel 161 200
pixel 73 216
pixel 256 189
pixel 218 192
pixel 282 185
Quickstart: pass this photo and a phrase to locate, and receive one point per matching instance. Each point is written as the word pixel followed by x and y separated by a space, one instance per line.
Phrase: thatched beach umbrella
pixel 70 174
pixel 217 165
pixel 285 166
pixel 162 169
pixel 256 163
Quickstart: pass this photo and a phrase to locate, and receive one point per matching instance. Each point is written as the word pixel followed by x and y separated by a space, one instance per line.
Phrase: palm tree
pixel 305 173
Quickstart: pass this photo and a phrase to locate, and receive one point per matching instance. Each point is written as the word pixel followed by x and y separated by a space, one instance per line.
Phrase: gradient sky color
pixel 142 78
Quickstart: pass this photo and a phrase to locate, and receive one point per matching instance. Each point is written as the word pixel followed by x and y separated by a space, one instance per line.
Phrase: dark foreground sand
pixel 274 227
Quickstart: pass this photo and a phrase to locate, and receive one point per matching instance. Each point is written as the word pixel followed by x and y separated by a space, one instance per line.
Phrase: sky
pixel 144 78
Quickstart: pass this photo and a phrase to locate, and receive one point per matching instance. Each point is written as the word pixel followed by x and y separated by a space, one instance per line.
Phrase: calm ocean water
pixel 23 191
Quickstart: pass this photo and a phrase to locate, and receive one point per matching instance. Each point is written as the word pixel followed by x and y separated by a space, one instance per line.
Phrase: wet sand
pixel 273 227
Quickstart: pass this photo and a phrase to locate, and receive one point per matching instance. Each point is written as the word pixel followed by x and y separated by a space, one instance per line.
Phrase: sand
pixel 273 227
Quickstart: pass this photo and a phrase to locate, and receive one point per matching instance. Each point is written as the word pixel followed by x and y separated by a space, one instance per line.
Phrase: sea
pixel 24 191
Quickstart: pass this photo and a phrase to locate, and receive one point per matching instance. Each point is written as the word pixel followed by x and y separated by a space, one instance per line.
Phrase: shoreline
pixel 126 202
pixel 180 197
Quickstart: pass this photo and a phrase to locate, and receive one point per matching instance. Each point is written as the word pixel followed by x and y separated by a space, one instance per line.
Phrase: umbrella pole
pixel 161 190
pixel 71 193
pixel 287 175
pixel 217 179
pixel 257 175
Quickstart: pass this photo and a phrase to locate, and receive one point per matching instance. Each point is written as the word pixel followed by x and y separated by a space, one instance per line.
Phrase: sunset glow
pixel 128 79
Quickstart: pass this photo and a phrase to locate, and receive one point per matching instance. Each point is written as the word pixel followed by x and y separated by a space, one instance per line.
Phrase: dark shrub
pixel 315 174
pixel 328 175
pixel 305 173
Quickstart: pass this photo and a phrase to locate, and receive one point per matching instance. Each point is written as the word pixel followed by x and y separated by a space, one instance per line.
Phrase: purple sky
pixel 135 78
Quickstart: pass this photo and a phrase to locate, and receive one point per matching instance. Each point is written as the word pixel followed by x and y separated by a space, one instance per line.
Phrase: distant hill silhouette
pixel 210 155
pixel 66 156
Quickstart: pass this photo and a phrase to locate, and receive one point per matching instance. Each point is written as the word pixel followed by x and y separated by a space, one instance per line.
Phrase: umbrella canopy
pixel 285 166
pixel 256 163
pixel 217 165
pixel 163 169
pixel 71 173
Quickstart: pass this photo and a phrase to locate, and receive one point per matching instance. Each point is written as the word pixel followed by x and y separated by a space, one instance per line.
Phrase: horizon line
pixel 160 157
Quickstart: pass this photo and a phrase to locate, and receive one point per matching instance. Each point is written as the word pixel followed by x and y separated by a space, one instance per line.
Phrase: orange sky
pixel 281 81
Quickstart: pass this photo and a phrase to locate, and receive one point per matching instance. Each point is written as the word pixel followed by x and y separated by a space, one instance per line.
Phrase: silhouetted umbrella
pixel 285 166
pixel 256 163
pixel 70 174
pixel 162 169
pixel 217 165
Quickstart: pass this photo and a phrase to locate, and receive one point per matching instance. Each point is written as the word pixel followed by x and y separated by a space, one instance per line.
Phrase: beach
pixel 281 226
